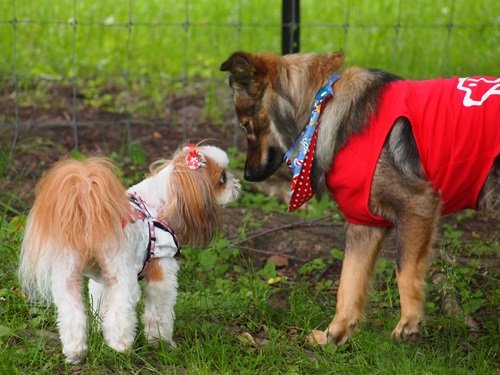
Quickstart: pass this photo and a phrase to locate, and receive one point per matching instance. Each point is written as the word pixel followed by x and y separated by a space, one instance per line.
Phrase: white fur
pixel 216 154
pixel 71 317
pixel 229 195
pixel 120 293
pixel 159 315
pixel 151 193
pixel 113 296
pixel 222 160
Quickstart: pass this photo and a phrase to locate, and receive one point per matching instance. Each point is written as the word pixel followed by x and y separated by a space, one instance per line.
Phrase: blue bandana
pixel 301 155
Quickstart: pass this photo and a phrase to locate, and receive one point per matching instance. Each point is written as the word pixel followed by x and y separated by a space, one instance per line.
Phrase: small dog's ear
pixel 193 211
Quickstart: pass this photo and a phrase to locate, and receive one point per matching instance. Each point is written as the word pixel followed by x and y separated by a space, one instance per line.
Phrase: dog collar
pixel 141 212
pixel 301 155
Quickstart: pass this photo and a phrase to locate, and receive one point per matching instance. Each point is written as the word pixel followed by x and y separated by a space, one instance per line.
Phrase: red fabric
pixel 456 126
pixel 301 184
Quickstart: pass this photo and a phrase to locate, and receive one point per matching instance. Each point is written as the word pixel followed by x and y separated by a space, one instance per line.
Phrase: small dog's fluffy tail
pixel 79 211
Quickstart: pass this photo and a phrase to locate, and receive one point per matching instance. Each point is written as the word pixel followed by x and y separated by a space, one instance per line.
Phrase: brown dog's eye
pixel 223 178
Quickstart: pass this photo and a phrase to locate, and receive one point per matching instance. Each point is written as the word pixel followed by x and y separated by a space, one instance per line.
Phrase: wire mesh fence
pixel 78 63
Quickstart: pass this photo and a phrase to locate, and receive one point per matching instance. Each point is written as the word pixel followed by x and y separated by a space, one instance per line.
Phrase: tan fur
pixel 88 200
pixel 154 272
pixel 193 211
pixel 357 269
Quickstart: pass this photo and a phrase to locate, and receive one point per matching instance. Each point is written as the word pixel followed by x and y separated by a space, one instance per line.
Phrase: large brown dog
pixel 273 96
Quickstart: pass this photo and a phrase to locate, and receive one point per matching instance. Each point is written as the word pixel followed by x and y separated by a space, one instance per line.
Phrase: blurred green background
pixel 71 61
pixel 47 39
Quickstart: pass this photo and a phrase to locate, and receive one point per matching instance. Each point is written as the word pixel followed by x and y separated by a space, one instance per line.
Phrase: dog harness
pixel 154 249
pixel 456 127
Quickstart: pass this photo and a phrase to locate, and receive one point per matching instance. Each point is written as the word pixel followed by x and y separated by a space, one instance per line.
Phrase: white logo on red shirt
pixel 477 90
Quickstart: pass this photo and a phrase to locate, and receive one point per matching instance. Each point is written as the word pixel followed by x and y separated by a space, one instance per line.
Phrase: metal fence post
pixel 290 26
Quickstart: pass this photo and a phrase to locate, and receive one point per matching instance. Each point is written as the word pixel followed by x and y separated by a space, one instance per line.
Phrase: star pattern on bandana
pixel 300 156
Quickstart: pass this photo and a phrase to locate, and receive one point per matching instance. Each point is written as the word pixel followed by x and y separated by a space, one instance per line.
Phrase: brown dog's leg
pixel 401 194
pixel 362 247
pixel 415 234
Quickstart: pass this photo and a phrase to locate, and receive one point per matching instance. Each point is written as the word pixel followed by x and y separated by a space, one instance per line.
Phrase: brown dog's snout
pixel 259 170
pixel 252 174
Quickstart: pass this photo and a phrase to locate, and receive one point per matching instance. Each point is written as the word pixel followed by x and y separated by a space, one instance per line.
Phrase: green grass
pixel 130 57
pixel 231 319
pixel 171 39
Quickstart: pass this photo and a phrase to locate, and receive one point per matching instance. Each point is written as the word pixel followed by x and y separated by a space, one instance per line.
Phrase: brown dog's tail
pixel 80 209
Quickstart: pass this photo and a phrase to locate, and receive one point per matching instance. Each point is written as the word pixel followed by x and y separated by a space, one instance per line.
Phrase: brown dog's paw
pixel 407 330
pixel 340 330
pixel 338 337
pixel 317 337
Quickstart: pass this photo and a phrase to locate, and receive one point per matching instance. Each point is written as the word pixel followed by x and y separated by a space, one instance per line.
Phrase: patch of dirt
pixel 282 234
pixel 45 135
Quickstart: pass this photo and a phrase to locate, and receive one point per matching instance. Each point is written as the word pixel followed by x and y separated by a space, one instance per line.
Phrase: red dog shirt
pixel 456 126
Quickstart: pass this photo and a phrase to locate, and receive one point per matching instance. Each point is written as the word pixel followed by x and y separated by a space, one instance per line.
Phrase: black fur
pixel 402 150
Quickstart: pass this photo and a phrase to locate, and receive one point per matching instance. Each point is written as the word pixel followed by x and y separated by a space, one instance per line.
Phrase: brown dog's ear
pixel 246 70
pixel 239 63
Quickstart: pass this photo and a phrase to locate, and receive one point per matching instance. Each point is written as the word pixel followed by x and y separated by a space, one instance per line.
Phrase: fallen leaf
pixel 278 261
pixel 247 339
pixel 274 280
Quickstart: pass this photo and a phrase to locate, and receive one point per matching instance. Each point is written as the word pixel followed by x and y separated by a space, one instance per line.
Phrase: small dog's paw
pixel 75 357
pixel 121 345
pixel 119 341
pixel 154 338
pixel 317 337
pixel 407 330
pixel 119 333
pixel 156 331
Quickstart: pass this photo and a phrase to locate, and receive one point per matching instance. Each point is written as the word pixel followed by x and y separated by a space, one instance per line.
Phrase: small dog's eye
pixel 223 178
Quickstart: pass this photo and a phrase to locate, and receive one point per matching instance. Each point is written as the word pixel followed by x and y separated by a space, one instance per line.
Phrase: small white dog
pixel 84 222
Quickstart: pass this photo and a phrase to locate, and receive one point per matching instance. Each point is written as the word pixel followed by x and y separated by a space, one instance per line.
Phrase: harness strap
pixel 141 212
